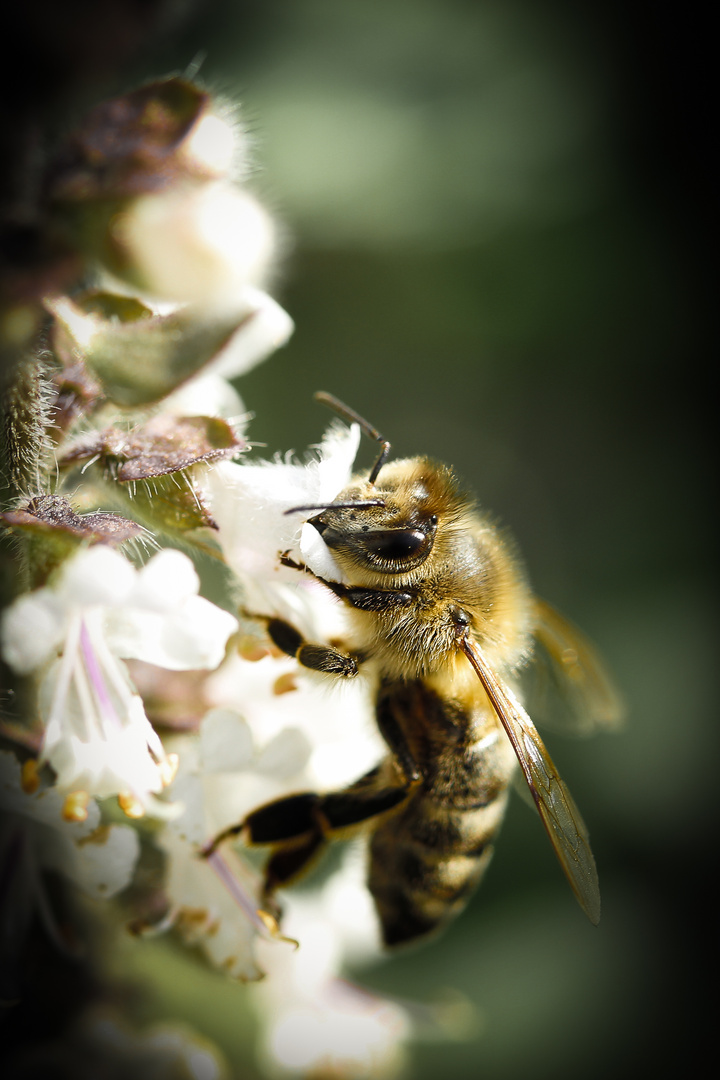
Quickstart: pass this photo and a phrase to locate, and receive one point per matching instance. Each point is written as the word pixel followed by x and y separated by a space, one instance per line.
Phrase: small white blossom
pixel 249 503
pixel 324 733
pixel 198 243
pixel 101 1043
pixel 215 905
pixel 215 901
pixel 35 835
pixel 97 737
pixel 314 1021
pixel 215 145
pixel 282 733
pixel 266 328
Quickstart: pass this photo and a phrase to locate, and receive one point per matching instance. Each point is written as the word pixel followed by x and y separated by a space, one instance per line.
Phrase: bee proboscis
pixel 441 615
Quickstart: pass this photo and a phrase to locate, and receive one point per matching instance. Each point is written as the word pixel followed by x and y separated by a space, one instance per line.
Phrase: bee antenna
pixel 372 433
pixel 356 504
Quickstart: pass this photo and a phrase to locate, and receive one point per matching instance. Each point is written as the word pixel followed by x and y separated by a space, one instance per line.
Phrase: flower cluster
pixel 138 699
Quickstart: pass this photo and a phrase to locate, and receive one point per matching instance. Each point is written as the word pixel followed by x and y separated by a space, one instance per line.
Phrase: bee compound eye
pixel 395 545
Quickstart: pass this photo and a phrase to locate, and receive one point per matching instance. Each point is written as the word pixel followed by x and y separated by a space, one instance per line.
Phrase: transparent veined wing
pixel 566 685
pixel 557 809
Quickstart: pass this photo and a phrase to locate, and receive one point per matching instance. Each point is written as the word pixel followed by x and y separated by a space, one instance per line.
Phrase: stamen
pixel 273 927
pixel 168 768
pixel 75 807
pixel 127 699
pixel 30 777
pixel 105 667
pixel 284 683
pixel 130 805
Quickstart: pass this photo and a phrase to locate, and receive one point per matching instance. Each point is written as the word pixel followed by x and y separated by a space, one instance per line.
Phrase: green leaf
pixel 53 531
pixel 166 444
pixel 138 356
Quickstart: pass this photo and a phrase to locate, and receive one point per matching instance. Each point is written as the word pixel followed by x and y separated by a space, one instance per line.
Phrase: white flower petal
pixel 31 628
pixel 268 327
pixel 113 767
pixel 104 863
pixel 97 737
pixel 104 747
pixel 99 861
pixel 199 244
pixel 208 394
pixel 192 636
pixel 338 450
pixel 250 504
pixel 217 923
pixel 165 581
pixel 226 742
pixel 285 755
pixel 316 555
pixel 212 145
pixel 191 824
pixel 314 1020
pixel 337 720
pixel 97 576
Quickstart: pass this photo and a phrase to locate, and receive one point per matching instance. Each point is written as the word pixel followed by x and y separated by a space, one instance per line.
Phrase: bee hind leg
pixel 299 826
pixel 289 861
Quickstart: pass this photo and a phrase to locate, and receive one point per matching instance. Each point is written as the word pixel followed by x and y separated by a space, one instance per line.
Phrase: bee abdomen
pixel 426 862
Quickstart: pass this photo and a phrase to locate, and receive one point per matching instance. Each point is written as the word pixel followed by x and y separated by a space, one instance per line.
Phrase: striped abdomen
pixel 427 857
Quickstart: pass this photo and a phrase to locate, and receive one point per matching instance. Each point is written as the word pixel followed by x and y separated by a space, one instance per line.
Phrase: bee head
pixel 388 527
pixel 387 521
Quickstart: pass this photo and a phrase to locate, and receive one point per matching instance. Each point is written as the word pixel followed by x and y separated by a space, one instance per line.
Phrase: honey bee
pixel 442 616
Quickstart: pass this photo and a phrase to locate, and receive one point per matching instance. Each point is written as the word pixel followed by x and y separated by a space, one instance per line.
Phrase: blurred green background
pixel 492 212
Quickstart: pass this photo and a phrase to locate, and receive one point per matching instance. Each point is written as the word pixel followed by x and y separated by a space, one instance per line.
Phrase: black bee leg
pixel 290 860
pixel 316 657
pixel 393 736
pixel 299 825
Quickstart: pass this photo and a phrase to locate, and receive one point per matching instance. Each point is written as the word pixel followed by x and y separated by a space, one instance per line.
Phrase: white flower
pixel 113 1048
pixel 281 733
pixel 97 737
pixel 264 327
pixel 199 243
pixel 35 835
pixel 249 503
pixel 267 326
pixel 214 145
pixel 215 904
pixel 274 730
pixel 297 723
pixel 313 1020
pixel 207 394
pixel 215 901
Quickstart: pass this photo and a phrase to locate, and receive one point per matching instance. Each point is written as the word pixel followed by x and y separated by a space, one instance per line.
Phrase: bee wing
pixel 558 812
pixel 567 683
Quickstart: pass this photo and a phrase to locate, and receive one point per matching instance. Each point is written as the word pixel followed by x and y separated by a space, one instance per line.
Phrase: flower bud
pixel 200 244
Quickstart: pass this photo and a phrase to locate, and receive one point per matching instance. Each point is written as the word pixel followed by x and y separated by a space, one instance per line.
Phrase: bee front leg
pixel 316 657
